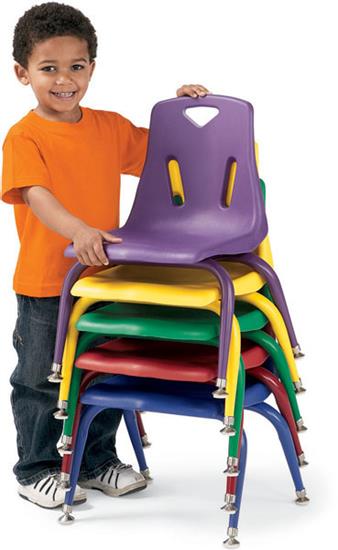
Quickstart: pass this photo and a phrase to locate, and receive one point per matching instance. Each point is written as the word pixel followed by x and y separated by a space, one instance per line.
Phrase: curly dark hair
pixel 49 20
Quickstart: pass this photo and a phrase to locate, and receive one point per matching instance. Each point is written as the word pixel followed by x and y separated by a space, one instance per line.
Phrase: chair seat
pixel 147 248
pixel 163 360
pixel 157 247
pixel 165 285
pixel 179 398
pixel 165 323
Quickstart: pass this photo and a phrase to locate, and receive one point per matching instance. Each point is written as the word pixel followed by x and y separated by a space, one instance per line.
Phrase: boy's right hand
pixel 88 245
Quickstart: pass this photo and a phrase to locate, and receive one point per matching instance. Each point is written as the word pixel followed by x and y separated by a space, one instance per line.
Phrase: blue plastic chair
pixel 187 399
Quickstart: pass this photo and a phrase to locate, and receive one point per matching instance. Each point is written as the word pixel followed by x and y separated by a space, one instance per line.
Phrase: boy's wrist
pixel 76 226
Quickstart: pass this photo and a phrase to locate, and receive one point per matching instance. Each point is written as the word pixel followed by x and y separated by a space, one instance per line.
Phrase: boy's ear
pixel 21 74
pixel 91 68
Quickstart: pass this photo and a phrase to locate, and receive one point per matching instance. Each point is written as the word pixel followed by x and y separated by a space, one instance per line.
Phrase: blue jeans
pixel 34 400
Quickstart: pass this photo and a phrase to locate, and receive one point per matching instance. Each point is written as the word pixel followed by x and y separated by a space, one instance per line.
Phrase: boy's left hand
pixel 193 90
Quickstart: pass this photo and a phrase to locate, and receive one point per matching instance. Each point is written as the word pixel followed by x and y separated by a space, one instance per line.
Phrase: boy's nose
pixel 63 79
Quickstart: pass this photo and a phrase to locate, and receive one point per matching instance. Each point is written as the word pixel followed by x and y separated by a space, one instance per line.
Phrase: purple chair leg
pixel 66 302
pixel 264 269
pixel 227 311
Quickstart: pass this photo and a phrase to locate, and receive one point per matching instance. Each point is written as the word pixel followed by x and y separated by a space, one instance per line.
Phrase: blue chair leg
pixel 134 434
pixel 233 520
pixel 285 438
pixel 87 417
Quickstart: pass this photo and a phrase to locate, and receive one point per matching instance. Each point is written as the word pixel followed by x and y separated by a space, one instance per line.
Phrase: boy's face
pixel 59 71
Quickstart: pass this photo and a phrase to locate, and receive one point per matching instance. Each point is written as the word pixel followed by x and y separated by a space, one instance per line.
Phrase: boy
pixel 61 170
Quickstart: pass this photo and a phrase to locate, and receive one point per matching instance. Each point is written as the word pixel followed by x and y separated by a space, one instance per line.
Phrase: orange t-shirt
pixel 80 163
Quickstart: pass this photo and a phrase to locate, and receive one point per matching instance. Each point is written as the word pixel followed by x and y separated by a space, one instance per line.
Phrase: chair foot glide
pixel 232 467
pixel 55 376
pixel 228 426
pixel 145 441
pixel 64 481
pixel 300 426
pixel 146 474
pixel 299 388
pixel 302 499
pixel 66 446
pixel 297 353
pixel 229 505
pixel 66 518
pixel 232 542
pixel 60 414
pixel 302 461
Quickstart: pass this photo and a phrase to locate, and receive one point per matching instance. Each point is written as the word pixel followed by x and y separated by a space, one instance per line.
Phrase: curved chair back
pixel 219 202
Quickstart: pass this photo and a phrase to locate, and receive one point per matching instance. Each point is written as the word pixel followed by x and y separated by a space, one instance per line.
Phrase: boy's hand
pixel 193 90
pixel 88 245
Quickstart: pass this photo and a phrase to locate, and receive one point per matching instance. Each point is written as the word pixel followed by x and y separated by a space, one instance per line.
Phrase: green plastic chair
pixel 176 324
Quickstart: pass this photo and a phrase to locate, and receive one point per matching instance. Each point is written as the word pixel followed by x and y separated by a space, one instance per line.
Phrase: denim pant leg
pixel 34 400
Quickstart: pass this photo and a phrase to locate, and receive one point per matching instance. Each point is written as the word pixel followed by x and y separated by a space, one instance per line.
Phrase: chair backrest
pixel 219 197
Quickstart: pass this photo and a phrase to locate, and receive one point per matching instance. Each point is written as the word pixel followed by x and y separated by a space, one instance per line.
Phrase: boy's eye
pixel 48 69
pixel 77 67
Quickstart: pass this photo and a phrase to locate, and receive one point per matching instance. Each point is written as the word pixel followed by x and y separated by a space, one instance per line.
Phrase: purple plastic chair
pixel 160 231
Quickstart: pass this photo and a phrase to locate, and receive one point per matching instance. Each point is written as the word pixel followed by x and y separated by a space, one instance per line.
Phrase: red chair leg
pixel 277 388
pixel 143 434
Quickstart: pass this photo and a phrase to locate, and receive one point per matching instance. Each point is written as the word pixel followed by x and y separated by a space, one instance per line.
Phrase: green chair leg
pixel 268 343
pixel 85 342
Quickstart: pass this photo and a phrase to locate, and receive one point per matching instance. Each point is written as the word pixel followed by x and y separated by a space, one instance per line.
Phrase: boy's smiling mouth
pixel 63 95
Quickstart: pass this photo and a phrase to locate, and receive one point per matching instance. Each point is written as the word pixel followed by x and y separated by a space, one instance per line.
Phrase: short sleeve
pixel 23 166
pixel 133 146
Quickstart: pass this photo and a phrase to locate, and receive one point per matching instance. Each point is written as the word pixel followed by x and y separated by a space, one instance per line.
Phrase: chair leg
pixel 73 401
pixel 276 290
pixel 232 461
pixel 143 434
pixel 285 438
pixel 70 349
pixel 227 311
pixel 85 342
pixel 232 377
pixel 274 350
pixel 278 390
pixel 87 417
pixel 234 518
pixel 65 307
pixel 71 429
pixel 233 471
pixel 130 419
pixel 277 323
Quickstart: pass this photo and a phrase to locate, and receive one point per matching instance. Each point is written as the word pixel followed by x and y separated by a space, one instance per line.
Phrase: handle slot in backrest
pixel 200 115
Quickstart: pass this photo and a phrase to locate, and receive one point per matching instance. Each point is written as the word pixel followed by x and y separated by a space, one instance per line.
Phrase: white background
pixel 281 56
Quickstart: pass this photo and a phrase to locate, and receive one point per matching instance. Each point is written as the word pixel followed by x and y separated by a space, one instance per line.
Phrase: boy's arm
pixel 87 240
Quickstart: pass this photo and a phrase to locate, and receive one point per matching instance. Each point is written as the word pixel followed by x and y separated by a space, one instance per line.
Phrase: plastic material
pixel 157 231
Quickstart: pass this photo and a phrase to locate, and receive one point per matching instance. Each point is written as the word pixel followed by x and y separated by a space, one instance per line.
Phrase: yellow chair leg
pixel 277 322
pixel 232 376
pixel 70 348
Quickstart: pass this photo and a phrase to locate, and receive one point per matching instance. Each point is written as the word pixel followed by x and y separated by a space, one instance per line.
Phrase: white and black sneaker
pixel 47 493
pixel 117 481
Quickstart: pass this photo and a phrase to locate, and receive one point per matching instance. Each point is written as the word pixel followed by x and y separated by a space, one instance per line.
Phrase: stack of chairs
pixel 194 318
